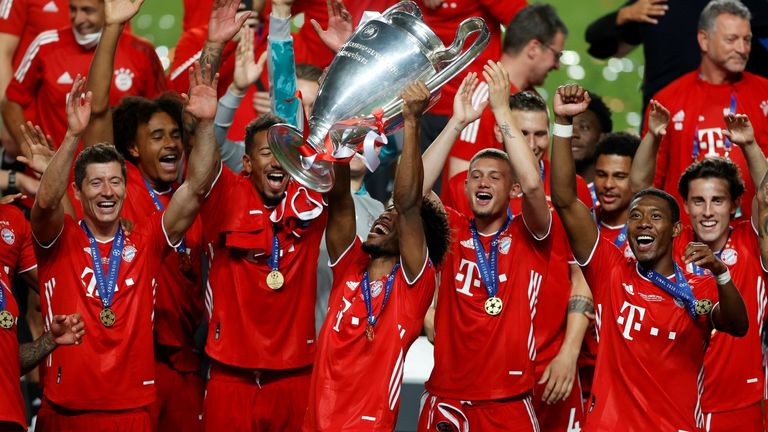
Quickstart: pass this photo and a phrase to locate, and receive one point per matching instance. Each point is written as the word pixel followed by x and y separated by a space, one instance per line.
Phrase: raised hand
pixel 643 11
pixel 120 11
pixel 497 79
pixel 78 107
pixel 67 329
pixel 224 23
pixel 415 100
pixel 262 104
pixel 658 119
pixel 570 100
pixel 339 25
pixel 463 110
pixel 739 129
pixel 202 98
pixel 247 71
pixel 37 148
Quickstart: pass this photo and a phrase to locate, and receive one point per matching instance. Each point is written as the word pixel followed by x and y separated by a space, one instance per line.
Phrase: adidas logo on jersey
pixel 50 7
pixel 65 79
pixel 678 119
pixel 764 107
pixel 469 244
pixel 352 285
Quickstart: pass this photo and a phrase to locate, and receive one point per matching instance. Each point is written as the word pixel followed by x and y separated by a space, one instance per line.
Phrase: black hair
pixel 99 153
pixel 537 21
pixel 674 208
pixel 262 123
pixel 527 101
pixel 601 111
pixel 436 229
pixel 619 144
pixel 716 167
pixel 133 111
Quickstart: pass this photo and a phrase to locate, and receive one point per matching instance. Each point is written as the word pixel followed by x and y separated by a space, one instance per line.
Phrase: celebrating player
pixel 116 299
pixel 712 190
pixel 654 320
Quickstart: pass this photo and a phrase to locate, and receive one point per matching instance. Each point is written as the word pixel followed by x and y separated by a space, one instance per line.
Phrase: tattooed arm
pixel 65 330
pixel 223 25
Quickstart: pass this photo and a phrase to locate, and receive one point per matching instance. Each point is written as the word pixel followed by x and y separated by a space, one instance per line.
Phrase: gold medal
pixel 703 306
pixel 493 306
pixel 275 280
pixel 6 319
pixel 185 262
pixel 107 317
pixel 369 332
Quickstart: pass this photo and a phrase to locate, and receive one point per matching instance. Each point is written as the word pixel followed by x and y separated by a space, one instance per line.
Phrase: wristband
pixel 562 131
pixel 723 278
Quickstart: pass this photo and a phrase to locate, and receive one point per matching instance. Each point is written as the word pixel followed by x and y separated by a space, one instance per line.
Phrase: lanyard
pixel 728 144
pixel 106 288
pixel 182 247
pixel 365 286
pixel 622 237
pixel 488 267
pixel 680 289
pixel 274 257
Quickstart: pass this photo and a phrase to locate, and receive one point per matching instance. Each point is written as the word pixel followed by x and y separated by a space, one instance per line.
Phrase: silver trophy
pixel 367 75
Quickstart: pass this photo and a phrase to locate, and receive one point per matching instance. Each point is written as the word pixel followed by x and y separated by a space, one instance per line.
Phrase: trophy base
pixel 285 141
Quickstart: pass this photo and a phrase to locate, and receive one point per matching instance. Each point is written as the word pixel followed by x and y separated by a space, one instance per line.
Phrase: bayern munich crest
pixel 729 256
pixel 129 253
pixel 504 244
pixel 8 236
pixel 376 287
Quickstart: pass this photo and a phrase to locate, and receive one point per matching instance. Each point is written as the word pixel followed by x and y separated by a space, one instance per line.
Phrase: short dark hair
pixel 716 167
pixel 674 208
pixel 133 111
pixel 436 229
pixel 527 101
pixel 601 111
pixel 619 144
pixel 308 72
pixel 715 8
pixel 262 123
pixel 537 21
pixel 99 153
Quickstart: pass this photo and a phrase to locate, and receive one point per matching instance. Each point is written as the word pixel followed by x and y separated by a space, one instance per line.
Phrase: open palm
pixel 202 98
pixel 739 129
pixel 78 107
pixel 223 23
pixel 37 149
pixel 339 25
pixel 463 110
pixel 120 11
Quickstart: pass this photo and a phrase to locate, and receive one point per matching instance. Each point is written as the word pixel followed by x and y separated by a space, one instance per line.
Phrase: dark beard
pixel 373 250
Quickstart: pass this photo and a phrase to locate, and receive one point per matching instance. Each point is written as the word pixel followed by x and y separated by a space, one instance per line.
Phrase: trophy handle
pixel 457 64
pixel 408 7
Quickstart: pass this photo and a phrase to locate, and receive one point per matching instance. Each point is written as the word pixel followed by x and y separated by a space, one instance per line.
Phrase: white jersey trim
pixel 343 254
pixel 423 266
pixel 48 246
pixel 43 38
pixel 27 269
pixel 165 233
pixel 591 254
pixel 216 179
pixel 5 8
pixel 549 229
pixel 185 66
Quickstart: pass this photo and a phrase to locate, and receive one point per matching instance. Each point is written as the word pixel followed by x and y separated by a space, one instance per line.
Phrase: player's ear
pixel 677 228
pixel 77 191
pixel 247 163
pixel 133 149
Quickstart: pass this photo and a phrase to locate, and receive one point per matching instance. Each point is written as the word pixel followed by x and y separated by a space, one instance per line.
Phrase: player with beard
pixel 654 320
pixel 487 300
pixel 115 294
pixel 382 289
pixel 712 190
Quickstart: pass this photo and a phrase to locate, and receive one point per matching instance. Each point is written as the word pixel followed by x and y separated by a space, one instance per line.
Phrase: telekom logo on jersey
pixel 711 141
pixel 89 282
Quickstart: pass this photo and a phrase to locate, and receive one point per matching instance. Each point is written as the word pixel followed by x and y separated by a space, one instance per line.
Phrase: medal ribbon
pixel 182 247
pixel 365 287
pixel 622 237
pixel 106 288
pixel 274 257
pixel 2 297
pixel 489 267
pixel 680 289
pixel 728 144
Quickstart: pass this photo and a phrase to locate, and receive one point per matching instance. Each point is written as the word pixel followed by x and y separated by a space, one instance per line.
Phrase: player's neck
pixel 713 74
pixel 664 265
pixel 718 244
pixel 615 218
pixel 102 231
pixel 518 72
pixel 156 184
pixel 381 266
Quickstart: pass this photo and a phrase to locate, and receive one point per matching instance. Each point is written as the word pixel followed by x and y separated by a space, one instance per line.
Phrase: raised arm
pixel 739 130
pixel 407 194
pixel 116 14
pixel 65 330
pixel 582 232
pixel 203 160
pixel 463 114
pixel 339 25
pixel 340 231
pixel 223 25
pixel 524 165
pixel 47 218
pixel 644 163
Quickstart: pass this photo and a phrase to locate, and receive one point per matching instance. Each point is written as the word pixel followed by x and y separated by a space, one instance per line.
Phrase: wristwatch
pixel 11 189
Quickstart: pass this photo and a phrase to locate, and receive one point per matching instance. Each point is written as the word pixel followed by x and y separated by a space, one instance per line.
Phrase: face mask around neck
pixel 87 41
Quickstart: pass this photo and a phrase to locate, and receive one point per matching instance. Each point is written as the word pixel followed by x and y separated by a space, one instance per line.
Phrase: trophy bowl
pixel 367 75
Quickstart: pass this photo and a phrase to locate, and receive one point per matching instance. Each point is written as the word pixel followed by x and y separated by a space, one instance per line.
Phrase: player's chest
pixel 352 312
pixel 60 70
pixel 131 268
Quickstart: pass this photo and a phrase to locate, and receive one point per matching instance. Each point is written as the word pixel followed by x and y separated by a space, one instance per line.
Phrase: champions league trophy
pixel 361 89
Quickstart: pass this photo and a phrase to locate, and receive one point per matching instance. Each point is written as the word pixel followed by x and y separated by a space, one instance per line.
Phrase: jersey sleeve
pixel 582 190
pixel 351 258
pixel 604 260
pixel 27 259
pixel 153 75
pixel 13 16
pixel 504 11
pixel 26 79
pixel 188 51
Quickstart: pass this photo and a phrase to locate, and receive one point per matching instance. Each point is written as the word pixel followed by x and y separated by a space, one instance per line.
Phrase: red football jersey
pixel 444 21
pixel 728 384
pixel 468 362
pixel 16 252
pixel 53 61
pixel 697 109
pixel 28 18
pixel 179 295
pixel 196 13
pixel 251 325
pixel 650 358
pixel 11 402
pixel 339 399
pixel 113 368
pixel 611 233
